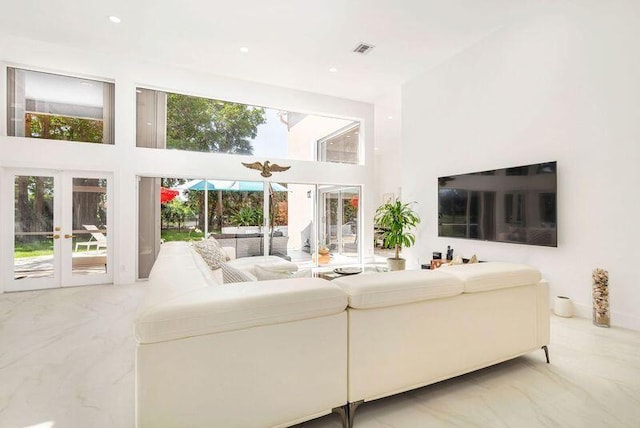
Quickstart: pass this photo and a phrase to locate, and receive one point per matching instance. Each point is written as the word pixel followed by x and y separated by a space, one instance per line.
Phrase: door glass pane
pixel 338 232
pixel 329 239
pixel 349 228
pixel 89 220
pixel 33 236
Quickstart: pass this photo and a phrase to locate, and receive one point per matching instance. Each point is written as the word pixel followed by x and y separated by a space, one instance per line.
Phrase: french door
pixel 58 221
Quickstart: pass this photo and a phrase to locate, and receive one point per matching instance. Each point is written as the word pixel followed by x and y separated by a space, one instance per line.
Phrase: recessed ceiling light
pixel 333 70
pixel 115 19
pixel 244 49
pixel 390 117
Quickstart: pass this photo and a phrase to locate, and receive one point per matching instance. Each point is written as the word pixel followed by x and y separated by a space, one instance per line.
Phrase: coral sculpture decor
pixel 601 297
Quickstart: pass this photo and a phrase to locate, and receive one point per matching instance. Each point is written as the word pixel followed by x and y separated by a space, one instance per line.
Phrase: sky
pixel 271 140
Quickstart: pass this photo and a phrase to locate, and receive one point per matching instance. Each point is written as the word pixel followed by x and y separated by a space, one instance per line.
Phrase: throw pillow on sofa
pixel 211 252
pixel 232 275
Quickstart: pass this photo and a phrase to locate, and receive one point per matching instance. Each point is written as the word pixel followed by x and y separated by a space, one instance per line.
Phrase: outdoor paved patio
pixel 84 263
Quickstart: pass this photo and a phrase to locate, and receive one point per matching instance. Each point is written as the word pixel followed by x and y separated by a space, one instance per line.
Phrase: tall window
pixel 174 121
pixel 50 106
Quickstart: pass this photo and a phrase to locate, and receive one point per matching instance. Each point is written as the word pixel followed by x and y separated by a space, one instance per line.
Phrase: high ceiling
pixel 292 43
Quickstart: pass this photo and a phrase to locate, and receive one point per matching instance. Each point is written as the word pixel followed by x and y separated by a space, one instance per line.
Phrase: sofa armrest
pixel 230 252
pixel 228 307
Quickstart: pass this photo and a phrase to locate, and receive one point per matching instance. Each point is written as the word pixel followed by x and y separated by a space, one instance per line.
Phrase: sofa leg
pixel 351 410
pixel 343 412
pixel 546 352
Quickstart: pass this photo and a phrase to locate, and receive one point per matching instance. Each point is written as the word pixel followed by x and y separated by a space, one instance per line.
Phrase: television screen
pixel 516 205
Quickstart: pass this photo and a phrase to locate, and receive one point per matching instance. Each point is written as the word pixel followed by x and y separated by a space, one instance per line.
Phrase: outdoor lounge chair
pixel 97 238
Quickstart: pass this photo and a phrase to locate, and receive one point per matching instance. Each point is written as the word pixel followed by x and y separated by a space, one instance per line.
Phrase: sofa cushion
pixel 397 287
pixel 272 262
pixel 479 277
pixel 212 310
pixel 267 273
pixel 231 274
pixel 302 273
pixel 211 252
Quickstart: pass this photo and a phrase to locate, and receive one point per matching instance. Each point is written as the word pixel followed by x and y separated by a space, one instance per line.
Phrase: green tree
pixel 63 128
pixel 176 211
pixel 204 125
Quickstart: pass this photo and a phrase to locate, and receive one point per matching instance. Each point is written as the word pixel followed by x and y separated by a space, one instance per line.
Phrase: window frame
pixel 337 133
pixel 108 107
pixel 356 122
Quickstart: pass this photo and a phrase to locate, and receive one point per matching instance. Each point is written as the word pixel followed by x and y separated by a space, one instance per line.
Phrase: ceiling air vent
pixel 363 48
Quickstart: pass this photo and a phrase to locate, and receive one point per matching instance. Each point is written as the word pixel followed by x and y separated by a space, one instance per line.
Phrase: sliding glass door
pixel 308 224
pixel 338 214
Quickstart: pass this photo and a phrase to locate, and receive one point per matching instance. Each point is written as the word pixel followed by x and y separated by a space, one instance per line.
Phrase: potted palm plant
pixel 397 220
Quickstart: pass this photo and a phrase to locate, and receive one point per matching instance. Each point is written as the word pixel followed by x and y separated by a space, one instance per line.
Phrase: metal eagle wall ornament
pixel 267 168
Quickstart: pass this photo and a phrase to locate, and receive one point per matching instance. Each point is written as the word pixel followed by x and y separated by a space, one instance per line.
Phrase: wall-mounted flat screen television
pixel 516 205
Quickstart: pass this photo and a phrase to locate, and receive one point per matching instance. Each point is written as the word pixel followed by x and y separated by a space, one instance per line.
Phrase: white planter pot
pixel 396 264
pixel 563 307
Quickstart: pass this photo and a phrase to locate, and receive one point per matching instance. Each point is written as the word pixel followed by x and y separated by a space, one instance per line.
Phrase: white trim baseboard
pixel 617 319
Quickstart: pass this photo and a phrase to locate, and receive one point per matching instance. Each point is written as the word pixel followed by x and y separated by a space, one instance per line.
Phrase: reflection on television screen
pixel 516 204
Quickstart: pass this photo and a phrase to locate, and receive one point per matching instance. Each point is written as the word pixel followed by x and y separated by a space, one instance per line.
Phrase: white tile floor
pixel 67 360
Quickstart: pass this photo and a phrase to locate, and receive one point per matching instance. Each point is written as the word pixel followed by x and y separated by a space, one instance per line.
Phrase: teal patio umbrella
pixel 245 186
pixel 198 184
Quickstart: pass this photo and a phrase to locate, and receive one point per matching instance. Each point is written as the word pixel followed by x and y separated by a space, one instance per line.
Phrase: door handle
pixel 56 236
pixel 67 236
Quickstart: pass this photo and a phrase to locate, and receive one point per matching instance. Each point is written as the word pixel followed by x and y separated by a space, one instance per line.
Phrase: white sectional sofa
pixel 276 353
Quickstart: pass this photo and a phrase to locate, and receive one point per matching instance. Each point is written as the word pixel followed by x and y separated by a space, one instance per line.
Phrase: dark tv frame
pixel 494 222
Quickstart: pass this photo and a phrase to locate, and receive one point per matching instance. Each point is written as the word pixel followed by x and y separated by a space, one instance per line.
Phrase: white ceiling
pixel 292 43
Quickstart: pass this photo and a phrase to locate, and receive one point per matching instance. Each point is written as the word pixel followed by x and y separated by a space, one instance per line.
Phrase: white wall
pixel 388 145
pixel 305 134
pixel 565 86
pixel 126 161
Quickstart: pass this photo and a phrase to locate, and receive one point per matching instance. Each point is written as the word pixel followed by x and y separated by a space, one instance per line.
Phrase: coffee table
pixel 331 274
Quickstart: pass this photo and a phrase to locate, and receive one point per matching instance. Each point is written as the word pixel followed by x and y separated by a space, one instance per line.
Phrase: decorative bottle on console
pixel 449 253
